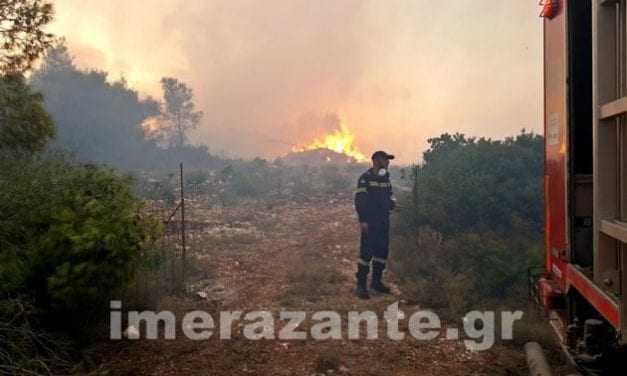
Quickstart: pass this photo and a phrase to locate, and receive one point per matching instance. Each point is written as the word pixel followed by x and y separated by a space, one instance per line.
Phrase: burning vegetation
pixel 317 157
pixel 339 141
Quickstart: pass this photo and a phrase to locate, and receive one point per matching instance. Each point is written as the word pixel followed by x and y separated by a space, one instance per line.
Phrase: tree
pixel 96 120
pixel 22 39
pixel 24 123
pixel 106 122
pixel 180 115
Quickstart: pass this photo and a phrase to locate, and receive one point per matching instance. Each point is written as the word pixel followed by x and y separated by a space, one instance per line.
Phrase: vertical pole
pixel 184 260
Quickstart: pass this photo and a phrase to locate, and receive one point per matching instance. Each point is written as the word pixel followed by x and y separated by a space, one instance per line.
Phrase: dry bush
pixel 145 292
pixel 26 349
pixel 310 279
pixel 464 272
pixel 423 263
pixel 162 277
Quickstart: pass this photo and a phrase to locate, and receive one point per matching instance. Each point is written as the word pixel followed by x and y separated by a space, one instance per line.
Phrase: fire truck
pixel 582 286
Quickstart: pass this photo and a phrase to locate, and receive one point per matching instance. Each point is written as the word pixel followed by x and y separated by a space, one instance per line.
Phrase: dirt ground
pixel 292 256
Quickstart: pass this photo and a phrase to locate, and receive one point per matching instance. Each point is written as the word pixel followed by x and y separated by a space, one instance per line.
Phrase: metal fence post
pixel 184 254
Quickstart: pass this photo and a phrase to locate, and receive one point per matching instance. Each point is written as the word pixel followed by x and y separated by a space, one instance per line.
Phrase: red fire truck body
pixel 585 105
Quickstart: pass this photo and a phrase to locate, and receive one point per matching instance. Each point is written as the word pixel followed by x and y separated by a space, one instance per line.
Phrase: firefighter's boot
pixel 362 281
pixel 377 274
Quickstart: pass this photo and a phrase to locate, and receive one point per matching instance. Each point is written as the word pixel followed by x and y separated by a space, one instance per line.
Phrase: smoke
pixel 269 75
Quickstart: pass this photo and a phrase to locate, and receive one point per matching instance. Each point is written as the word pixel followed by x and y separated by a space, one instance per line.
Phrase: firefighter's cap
pixel 382 155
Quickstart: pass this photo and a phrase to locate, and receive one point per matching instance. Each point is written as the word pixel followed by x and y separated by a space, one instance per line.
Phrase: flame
pixel 340 141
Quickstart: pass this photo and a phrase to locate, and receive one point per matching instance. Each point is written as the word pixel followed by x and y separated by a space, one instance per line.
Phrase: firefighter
pixel 373 202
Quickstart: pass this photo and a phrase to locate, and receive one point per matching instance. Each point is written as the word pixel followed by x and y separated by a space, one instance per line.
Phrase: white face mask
pixel 382 171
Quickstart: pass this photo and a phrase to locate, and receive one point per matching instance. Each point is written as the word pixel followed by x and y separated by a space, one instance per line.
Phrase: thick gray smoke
pixel 267 73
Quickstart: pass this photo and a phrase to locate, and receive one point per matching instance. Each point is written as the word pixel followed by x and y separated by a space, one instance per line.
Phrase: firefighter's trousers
pixel 375 246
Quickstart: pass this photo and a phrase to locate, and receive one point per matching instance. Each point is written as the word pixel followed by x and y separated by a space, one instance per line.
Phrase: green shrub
pixel 466 185
pixel 72 237
pixel 472 224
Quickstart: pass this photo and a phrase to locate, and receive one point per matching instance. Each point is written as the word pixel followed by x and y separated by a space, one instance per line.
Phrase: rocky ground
pixel 292 256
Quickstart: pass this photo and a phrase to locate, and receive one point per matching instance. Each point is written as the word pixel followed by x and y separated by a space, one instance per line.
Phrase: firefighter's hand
pixel 364 227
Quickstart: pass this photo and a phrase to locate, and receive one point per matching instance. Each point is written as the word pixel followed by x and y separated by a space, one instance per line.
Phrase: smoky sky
pixel 270 75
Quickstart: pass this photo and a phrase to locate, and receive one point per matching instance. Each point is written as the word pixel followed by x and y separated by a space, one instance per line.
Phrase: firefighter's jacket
pixel 373 198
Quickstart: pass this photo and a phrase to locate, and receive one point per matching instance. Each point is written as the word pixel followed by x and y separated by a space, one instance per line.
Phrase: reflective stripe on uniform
pixel 361 190
pixel 379 260
pixel 379 185
pixel 362 262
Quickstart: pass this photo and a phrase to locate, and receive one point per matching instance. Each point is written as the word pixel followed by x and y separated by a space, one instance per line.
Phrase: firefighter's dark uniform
pixel 373 202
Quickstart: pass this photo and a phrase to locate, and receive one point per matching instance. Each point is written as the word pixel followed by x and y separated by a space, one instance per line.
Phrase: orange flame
pixel 340 141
